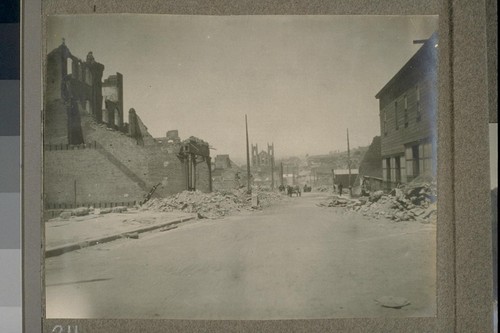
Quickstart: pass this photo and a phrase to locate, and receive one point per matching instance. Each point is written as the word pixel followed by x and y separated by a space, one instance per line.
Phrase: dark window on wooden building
pixel 406 112
pixel 385 122
pixel 388 169
pixel 397 160
pixel 415 160
pixel 396 114
pixel 419 114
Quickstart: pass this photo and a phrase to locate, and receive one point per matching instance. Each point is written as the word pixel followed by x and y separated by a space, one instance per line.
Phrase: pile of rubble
pixel 83 211
pixel 323 188
pixel 211 205
pixel 412 202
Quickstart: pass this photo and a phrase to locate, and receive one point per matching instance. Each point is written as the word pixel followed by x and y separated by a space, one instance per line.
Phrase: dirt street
pixel 292 260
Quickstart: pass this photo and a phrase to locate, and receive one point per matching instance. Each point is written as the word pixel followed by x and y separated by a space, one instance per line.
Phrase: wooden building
pixel 346 178
pixel 408 110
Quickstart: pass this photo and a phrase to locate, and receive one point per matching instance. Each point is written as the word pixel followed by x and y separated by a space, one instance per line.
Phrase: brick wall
pixel 122 147
pixel 122 167
pixel 54 74
pixel 202 177
pixel 97 179
pixel 56 123
pixel 150 161
pixel 165 167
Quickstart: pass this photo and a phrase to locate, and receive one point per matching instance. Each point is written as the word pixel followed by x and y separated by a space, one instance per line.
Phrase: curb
pixel 56 251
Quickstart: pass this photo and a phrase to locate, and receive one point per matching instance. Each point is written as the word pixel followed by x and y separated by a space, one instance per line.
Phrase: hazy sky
pixel 302 80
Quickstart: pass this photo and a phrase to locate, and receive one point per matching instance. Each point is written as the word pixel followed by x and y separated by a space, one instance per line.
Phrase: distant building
pixel 371 164
pixel 222 162
pixel 342 177
pixel 408 108
pixel 262 165
pixel 262 158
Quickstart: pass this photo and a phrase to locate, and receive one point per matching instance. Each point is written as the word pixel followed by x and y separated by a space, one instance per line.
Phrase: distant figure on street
pixel 237 179
pixel 297 190
pixel 364 190
pixel 340 189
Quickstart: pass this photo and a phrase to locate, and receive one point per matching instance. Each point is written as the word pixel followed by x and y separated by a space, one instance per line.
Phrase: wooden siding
pixel 395 137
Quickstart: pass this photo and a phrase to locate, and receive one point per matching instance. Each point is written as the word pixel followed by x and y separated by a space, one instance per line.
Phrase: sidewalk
pixel 68 235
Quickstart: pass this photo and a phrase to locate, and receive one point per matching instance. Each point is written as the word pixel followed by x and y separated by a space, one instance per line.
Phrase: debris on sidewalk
pixel 205 205
pixel 133 235
pixel 65 215
pixel 80 211
pixel 119 209
pixel 212 205
pixel 323 188
pixel 255 200
pixel 167 228
pixel 415 201
pixel 84 211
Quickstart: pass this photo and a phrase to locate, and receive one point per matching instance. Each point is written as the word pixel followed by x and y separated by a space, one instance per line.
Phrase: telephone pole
pixel 281 173
pixel 272 167
pixel 333 180
pixel 248 157
pixel 349 162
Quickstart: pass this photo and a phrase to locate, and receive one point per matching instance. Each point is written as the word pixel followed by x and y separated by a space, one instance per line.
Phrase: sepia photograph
pixel 240 167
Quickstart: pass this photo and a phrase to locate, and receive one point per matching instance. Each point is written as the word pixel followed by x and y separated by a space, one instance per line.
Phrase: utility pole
pixel 272 167
pixel 248 158
pixel 281 173
pixel 74 187
pixel 333 180
pixel 349 162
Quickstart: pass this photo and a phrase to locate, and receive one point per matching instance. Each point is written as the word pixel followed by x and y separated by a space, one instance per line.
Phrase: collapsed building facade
pixel 226 174
pixel 408 108
pixel 93 156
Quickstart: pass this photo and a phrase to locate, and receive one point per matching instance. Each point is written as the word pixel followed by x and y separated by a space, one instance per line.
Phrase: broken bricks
pixel 407 203
pixel 213 205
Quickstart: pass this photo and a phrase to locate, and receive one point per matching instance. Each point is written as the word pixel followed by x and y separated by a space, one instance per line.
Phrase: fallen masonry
pixel 412 202
pixel 212 205
pixel 205 205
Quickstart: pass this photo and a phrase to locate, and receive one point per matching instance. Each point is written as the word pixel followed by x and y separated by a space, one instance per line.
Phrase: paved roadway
pixel 292 260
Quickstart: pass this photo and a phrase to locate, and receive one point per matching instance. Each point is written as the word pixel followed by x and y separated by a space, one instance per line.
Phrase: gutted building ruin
pixel 73 87
pixel 93 155
pixel 226 174
pixel 112 92
pixel 408 108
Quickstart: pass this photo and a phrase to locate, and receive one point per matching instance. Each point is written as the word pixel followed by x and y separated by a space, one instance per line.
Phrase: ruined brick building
pixel 94 156
pixel 226 174
pixel 408 108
